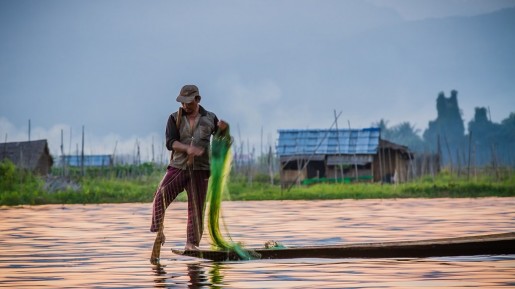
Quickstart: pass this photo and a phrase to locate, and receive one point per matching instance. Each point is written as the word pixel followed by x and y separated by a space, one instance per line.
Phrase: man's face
pixel 190 107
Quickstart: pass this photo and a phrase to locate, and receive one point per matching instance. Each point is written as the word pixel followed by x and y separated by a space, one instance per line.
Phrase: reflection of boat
pixel 496 244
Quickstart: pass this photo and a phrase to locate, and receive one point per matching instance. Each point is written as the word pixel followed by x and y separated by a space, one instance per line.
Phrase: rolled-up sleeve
pixel 216 125
pixel 172 134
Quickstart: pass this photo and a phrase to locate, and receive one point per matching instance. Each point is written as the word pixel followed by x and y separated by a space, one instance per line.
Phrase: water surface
pixel 108 246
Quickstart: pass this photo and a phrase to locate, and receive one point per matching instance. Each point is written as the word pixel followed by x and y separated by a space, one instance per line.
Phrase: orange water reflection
pixel 108 246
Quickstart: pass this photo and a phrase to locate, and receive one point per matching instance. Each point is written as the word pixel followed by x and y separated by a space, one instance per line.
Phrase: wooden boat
pixel 493 244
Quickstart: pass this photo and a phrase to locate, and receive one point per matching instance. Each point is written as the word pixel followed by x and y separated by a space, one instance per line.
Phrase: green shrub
pixel 7 175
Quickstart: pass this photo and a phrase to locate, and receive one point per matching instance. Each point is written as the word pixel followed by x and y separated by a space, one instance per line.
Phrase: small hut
pixel 33 156
pixel 343 155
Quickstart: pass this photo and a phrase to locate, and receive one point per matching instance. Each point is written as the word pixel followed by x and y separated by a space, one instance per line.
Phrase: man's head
pixel 188 94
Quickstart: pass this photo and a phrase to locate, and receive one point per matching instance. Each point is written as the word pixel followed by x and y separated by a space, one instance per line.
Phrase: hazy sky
pixel 116 66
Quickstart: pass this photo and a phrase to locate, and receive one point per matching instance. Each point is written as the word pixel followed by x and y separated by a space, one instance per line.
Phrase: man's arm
pixel 172 133
pixel 191 150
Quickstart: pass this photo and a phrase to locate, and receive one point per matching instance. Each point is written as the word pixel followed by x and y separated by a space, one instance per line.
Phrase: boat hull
pixel 495 244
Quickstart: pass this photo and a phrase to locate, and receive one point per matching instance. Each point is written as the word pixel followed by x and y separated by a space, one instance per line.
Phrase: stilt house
pixel 343 155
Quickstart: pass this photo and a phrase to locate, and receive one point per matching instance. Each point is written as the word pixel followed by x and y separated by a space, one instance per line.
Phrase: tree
pixel 507 129
pixel 386 133
pixel 404 134
pixel 483 134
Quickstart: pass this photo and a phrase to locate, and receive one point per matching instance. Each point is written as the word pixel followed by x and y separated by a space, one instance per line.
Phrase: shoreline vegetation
pixel 18 187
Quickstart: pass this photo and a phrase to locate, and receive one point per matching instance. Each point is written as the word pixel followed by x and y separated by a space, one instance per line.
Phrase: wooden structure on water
pixel 342 155
pixel 494 244
pixel 33 156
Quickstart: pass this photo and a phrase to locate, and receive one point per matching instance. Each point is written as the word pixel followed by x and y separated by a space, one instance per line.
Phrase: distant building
pixel 33 156
pixel 89 160
pixel 323 155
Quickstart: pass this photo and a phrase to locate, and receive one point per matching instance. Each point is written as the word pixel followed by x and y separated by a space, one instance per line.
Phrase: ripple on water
pixel 108 246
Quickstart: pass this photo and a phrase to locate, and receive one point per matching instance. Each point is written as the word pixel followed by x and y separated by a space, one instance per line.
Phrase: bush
pixel 7 175
pixel 13 179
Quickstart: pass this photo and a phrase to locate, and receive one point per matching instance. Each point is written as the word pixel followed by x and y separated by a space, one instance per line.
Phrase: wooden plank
pixel 494 244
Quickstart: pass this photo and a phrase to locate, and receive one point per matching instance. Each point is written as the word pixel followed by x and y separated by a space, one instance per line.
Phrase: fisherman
pixel 188 136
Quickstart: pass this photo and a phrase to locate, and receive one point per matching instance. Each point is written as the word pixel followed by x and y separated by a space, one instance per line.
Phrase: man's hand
pixel 189 149
pixel 194 151
pixel 222 125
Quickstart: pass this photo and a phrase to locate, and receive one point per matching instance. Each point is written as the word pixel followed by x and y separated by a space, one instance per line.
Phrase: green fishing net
pixel 220 168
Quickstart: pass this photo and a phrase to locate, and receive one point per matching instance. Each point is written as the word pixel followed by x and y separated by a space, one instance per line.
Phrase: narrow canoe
pixel 493 244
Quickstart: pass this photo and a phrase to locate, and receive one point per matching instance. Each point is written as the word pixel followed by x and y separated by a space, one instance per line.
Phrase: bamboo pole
pixel 495 162
pixel 448 151
pixel 339 152
pixel 270 165
pixel 249 164
pixel 475 162
pixel 261 143
pixel 390 163
pixel 410 167
pixel 439 153
pixel 153 159
pixel 458 161
pixel 423 163
pixel 63 159
pixel 5 148
pixel 354 155
pixel 383 157
pixel 30 151
pixel 380 160
pixel 468 165
pixel 82 154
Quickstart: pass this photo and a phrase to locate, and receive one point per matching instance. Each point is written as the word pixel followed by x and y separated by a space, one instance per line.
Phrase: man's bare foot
pixel 191 247
pixel 155 261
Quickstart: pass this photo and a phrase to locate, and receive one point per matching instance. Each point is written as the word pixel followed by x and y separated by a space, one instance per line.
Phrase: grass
pixel 20 188
pixel 373 191
pixel 444 185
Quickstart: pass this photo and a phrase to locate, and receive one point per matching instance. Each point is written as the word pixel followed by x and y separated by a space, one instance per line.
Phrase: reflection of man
pixel 188 136
pixel 197 274
pixel 199 278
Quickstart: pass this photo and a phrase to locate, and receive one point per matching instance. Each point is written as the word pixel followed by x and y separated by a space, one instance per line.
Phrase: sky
pixel 116 67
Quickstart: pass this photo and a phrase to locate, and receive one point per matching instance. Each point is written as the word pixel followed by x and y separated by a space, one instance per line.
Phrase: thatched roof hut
pixel 33 156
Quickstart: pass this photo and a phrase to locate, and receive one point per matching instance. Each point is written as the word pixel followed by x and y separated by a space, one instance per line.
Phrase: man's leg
pixel 197 190
pixel 171 185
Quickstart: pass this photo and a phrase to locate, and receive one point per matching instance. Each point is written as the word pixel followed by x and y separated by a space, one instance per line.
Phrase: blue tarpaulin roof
pixel 327 142
pixel 89 160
